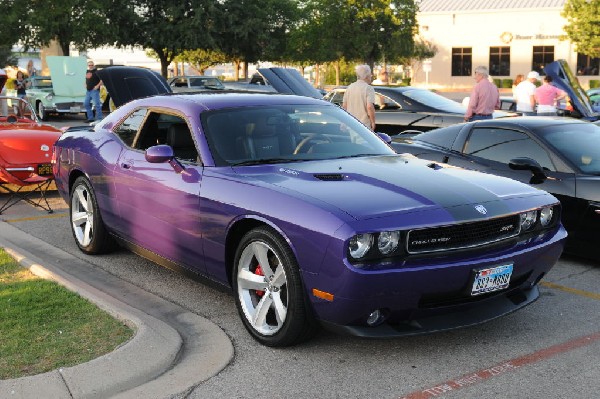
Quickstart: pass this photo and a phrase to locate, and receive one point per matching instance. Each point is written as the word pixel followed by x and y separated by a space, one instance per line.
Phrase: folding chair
pixel 35 184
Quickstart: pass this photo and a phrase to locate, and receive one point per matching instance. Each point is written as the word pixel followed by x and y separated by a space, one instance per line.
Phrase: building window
pixel 500 61
pixel 542 56
pixel 461 61
pixel 587 65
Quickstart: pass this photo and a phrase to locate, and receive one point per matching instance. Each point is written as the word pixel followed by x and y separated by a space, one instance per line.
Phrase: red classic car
pixel 25 148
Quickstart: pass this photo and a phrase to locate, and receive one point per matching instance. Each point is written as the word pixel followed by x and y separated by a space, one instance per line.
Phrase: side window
pixel 502 145
pixel 130 126
pixel 162 128
pixel 383 102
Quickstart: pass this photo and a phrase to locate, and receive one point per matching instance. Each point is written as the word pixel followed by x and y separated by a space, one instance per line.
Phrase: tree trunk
pixel 236 70
pixel 337 73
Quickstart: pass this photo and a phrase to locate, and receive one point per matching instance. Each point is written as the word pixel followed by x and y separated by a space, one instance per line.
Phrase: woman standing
pixel 547 96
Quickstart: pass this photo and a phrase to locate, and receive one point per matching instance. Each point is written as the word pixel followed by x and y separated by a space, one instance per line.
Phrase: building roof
pixel 479 5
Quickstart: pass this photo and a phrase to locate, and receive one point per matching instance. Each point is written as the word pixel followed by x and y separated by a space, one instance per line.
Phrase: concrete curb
pixel 164 358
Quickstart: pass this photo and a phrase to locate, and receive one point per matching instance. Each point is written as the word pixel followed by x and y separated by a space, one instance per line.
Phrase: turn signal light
pixel 322 294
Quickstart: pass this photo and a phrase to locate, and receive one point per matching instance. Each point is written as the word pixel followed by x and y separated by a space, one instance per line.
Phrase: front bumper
pixel 432 294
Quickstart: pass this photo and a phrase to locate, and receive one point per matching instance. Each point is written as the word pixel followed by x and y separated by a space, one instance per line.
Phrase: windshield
pixel 287 133
pixel 434 100
pixel 15 110
pixel 41 82
pixel 578 142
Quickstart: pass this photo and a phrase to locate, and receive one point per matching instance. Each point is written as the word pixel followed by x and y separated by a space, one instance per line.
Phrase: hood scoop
pixel 329 176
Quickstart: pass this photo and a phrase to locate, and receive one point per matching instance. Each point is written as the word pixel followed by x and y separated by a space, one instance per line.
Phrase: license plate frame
pixel 75 110
pixel 491 279
pixel 44 169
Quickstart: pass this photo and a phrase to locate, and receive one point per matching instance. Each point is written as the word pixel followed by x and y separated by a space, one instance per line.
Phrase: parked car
pixel 594 95
pixel 305 214
pixel 558 155
pixel 63 92
pixel 25 152
pixel 195 83
pixel 398 109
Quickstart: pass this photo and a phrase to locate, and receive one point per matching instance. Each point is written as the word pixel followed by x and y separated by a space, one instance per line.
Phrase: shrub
pixel 594 83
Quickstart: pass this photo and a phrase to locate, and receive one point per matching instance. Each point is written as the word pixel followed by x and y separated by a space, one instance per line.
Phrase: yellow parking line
pixel 587 294
pixel 52 216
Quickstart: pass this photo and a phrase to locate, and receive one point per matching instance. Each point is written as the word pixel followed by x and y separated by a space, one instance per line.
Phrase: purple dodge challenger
pixel 306 215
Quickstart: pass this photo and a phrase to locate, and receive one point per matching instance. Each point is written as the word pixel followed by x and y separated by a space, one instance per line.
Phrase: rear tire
pixel 87 226
pixel 269 293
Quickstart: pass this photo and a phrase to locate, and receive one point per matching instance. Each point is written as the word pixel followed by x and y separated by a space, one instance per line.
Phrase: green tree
pixel 165 27
pixel 79 23
pixel 583 25
pixel 253 30
pixel 200 60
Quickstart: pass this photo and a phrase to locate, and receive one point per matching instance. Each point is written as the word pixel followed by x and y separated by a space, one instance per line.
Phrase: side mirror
pixel 524 163
pixel 159 154
pixel 385 137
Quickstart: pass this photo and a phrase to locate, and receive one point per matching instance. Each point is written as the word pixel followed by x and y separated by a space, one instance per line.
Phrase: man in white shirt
pixel 525 94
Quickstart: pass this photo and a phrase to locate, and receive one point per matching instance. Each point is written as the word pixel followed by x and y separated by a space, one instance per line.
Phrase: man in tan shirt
pixel 359 97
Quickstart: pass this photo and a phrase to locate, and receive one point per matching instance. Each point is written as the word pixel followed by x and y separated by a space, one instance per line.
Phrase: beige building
pixel 509 37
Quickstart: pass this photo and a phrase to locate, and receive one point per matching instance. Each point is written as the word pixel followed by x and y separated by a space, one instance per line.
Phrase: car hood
pixel 125 84
pixel 25 144
pixel 289 81
pixel 564 79
pixel 68 75
pixel 380 186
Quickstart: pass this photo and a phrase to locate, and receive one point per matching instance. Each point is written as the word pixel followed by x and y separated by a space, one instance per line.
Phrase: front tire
pixel 268 290
pixel 87 226
pixel 41 110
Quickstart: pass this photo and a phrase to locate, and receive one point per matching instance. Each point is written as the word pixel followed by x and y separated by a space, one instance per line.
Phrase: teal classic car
pixel 63 92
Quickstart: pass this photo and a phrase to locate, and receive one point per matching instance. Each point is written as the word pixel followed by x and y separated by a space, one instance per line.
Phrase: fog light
pixel 375 318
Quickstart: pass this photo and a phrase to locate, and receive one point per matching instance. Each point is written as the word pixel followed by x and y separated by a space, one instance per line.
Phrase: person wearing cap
pixel 525 94
pixel 484 98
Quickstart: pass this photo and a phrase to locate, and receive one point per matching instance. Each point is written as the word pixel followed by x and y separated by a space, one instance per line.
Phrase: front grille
pixel 461 236
pixel 67 106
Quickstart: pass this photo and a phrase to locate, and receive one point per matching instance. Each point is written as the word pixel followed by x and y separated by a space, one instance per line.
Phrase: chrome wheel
pixel 269 293
pixel 82 216
pixel 262 288
pixel 87 226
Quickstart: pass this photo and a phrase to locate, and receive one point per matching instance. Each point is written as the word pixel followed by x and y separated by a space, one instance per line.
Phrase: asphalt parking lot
pixel 548 350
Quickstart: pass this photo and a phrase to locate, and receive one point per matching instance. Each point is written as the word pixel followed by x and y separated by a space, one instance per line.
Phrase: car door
pixel 159 206
pixel 490 149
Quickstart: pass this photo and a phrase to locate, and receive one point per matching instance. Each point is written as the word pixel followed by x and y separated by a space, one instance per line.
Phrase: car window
pixel 578 142
pixel 128 129
pixel 434 100
pixel 163 128
pixel 441 137
pixel 502 145
pixel 287 133
pixel 179 82
pixel 385 103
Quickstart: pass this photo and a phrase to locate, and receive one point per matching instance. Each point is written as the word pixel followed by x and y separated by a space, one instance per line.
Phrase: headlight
pixel 360 244
pixel 528 220
pixel 388 242
pixel 49 97
pixel 546 216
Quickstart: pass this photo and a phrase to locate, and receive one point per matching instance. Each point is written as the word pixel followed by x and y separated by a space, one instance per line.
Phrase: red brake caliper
pixel 259 272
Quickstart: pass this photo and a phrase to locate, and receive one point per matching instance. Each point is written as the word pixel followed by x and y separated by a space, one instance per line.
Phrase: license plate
pixel 44 169
pixel 492 279
pixel 75 109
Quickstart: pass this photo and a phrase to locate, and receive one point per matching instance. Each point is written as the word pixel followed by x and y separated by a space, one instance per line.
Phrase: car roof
pixel 531 121
pixel 220 99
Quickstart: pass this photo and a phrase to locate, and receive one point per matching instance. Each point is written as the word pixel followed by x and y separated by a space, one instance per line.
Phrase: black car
pixel 406 108
pixel 558 155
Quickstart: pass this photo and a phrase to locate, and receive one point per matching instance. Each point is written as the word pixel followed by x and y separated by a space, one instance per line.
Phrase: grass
pixel 44 326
